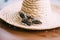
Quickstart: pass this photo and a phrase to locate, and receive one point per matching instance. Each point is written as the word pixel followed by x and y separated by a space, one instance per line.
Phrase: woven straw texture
pixel 39 9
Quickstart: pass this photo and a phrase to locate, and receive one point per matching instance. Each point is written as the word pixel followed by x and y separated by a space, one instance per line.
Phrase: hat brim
pixel 10 15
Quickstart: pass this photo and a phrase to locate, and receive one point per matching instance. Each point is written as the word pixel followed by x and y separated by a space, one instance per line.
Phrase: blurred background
pixel 7 34
pixel 4 3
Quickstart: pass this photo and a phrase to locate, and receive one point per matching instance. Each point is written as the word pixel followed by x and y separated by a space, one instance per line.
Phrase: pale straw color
pixel 39 9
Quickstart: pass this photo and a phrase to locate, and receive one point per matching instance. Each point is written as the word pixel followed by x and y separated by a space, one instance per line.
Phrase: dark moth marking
pixel 26 22
pixel 22 15
pixel 29 17
pixel 36 22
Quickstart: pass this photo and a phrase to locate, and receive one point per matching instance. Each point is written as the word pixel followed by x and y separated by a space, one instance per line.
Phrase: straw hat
pixel 39 10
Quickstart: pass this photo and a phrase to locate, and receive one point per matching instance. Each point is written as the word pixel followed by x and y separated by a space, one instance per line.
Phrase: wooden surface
pixel 8 34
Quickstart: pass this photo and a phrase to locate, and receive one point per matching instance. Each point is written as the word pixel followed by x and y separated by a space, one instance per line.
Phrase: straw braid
pixel 36 7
